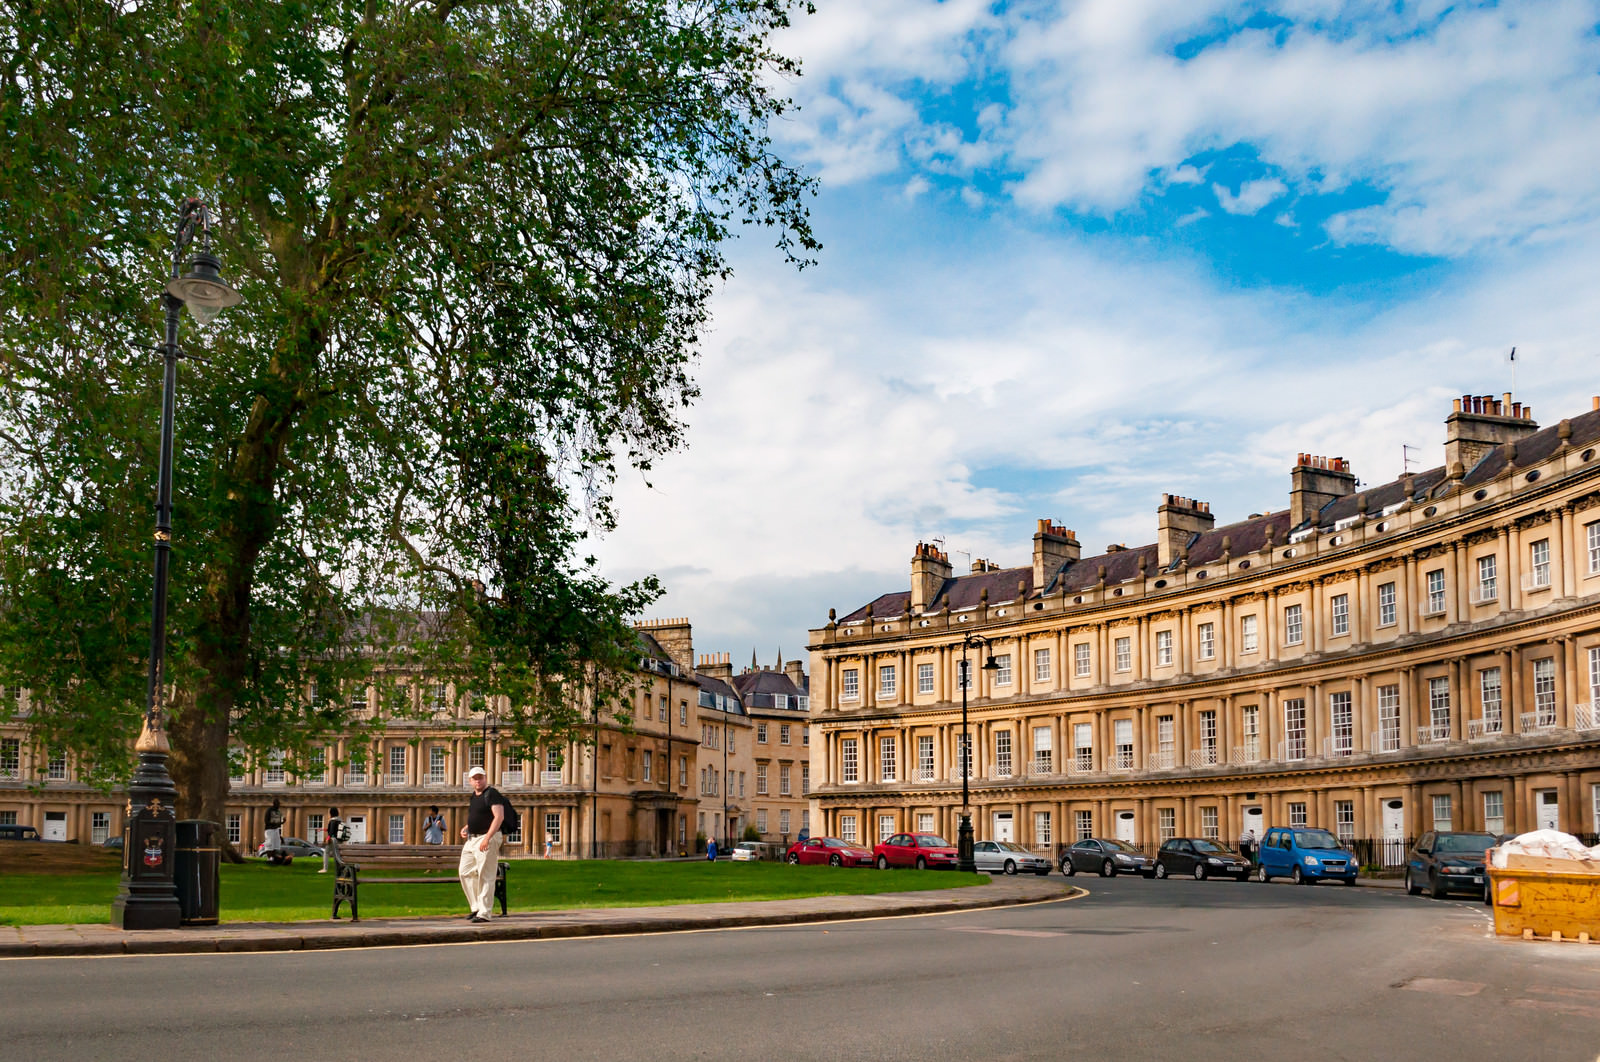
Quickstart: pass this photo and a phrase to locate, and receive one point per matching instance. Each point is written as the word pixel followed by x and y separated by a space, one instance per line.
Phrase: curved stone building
pixel 1420 654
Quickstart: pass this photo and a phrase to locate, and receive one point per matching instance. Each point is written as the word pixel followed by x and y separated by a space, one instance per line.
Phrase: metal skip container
pixel 1536 896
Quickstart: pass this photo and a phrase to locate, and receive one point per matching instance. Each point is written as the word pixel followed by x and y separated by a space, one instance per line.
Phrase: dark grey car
pixel 1106 857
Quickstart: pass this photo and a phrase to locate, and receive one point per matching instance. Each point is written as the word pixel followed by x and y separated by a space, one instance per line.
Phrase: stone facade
pixel 1420 654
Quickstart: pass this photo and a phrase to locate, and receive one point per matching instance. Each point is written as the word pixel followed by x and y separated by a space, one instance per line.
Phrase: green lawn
pixel 257 892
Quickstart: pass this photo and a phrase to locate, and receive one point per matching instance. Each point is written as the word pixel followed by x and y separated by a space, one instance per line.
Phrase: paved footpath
pixel 30 941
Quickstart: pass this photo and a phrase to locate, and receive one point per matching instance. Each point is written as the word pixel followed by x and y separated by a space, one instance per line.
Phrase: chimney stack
pixel 716 665
pixel 1479 423
pixel 796 670
pixel 1314 482
pixel 930 568
pixel 1178 520
pixel 1053 546
pixel 676 636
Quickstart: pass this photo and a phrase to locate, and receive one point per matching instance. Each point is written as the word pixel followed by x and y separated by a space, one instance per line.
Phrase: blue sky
pixel 1081 254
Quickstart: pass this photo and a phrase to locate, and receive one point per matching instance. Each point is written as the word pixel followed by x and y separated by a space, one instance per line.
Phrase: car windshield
pixel 1012 846
pixel 1120 846
pixel 832 842
pixel 931 840
pixel 1315 839
pixel 1473 843
pixel 1211 848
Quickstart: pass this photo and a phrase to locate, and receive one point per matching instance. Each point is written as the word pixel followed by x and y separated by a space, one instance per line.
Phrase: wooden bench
pixel 348 877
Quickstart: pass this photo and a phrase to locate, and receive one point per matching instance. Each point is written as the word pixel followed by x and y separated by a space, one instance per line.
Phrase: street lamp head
pixel 991 664
pixel 202 288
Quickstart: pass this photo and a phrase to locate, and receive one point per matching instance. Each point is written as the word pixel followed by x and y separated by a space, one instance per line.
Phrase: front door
pixel 1547 809
pixel 1125 827
pixel 1394 833
pixel 1003 826
pixel 1255 824
pixel 663 831
pixel 358 829
pixel 55 826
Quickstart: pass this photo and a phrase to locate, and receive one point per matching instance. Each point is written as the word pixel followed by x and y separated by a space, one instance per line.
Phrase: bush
pixel 751 833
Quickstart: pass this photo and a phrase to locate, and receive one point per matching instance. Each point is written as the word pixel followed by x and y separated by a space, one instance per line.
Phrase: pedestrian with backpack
pixel 334 832
pixel 489 817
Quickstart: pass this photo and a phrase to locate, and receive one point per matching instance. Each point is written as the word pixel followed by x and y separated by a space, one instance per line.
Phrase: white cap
pixel 475 772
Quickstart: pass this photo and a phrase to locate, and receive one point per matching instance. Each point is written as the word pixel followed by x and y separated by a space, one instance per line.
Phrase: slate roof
pixel 1244 537
pixel 766 683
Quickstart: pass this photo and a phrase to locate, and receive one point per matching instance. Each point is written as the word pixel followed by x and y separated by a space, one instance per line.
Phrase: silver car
pixel 1008 857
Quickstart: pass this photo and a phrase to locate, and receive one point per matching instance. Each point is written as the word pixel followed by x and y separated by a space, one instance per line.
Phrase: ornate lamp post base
pixel 147 897
pixel 964 861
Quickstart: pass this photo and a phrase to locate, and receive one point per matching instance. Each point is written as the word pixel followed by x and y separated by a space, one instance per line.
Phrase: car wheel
pixel 1108 869
pixel 922 864
pixel 1261 873
pixel 1011 866
pixel 1199 872
pixel 1433 889
pixel 1161 871
pixel 794 859
pixel 1412 888
pixel 1067 869
pixel 1298 877
pixel 835 861
pixel 883 862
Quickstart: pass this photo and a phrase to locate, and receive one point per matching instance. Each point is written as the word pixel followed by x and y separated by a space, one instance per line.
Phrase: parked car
pixel 829 850
pixel 1106 857
pixel 755 851
pixel 1200 858
pixel 921 850
pixel 291 848
pixel 1305 855
pixel 1008 857
pixel 1446 861
pixel 112 842
pixel 12 831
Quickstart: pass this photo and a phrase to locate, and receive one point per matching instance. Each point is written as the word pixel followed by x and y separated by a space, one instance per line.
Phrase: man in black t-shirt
pixel 480 852
pixel 330 842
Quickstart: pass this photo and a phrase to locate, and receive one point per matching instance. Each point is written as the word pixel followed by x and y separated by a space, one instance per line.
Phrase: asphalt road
pixel 1136 970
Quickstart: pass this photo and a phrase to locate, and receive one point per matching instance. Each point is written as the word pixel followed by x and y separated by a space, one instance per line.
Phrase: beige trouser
pixel 477 873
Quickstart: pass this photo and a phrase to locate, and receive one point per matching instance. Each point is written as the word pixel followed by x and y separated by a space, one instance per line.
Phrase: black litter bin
pixel 197 866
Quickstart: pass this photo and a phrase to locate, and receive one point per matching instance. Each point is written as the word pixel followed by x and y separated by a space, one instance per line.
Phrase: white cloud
pixel 1252 195
pixel 1474 125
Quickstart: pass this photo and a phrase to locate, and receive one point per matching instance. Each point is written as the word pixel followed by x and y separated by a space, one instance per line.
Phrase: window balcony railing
pixel 1246 754
pixel 997 774
pixel 924 774
pixel 1121 761
pixel 1161 761
pixel 1292 751
pixel 1484 595
pixel 1041 766
pixel 1205 756
pixel 549 779
pixel 1538 579
pixel 1485 729
pixel 510 779
pixel 1385 740
pixel 957 774
pixel 1082 763
pixel 1339 745
pixel 273 781
pixel 1539 722
pixel 1586 716
pixel 1433 734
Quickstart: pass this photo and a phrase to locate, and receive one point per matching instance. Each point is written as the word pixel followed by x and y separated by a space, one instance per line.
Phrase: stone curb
pixel 48 941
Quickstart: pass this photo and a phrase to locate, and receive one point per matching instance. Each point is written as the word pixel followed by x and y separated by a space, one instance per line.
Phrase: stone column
pixel 1511 542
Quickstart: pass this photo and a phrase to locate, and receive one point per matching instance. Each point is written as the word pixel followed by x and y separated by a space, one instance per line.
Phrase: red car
pixel 920 850
pixel 829 850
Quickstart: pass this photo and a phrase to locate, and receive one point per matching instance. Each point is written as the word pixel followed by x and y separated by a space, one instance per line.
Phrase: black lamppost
pixel 147 897
pixel 964 860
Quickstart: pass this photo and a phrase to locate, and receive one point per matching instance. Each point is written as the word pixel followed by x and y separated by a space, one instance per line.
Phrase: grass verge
pixel 257 892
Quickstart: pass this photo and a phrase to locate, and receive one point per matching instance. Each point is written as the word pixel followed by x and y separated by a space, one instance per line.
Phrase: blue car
pixel 1306 856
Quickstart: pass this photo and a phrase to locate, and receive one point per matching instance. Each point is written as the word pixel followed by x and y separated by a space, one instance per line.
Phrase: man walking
pixel 433 827
pixel 274 824
pixel 330 841
pixel 480 854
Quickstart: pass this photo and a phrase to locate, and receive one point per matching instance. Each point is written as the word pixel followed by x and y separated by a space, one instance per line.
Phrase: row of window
pixel 1486 590
pixel 784 820
pixel 784 775
pixel 784 734
pixel 1342 740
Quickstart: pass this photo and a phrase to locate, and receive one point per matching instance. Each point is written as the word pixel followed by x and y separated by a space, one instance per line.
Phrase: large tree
pixel 475 242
